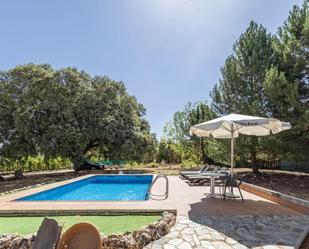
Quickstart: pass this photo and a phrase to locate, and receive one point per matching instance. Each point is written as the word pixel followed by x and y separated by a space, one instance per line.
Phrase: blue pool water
pixel 98 188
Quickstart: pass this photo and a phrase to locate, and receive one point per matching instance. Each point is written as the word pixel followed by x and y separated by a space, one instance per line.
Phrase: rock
pixel 179 227
pixel 144 240
pixel 185 245
pixel 184 221
pixel 162 229
pixel 188 231
pixel 229 227
pixel 230 241
pixel 3 240
pixel 153 225
pixel 243 233
pixel 136 234
pixel 151 231
pixel 174 234
pixel 168 246
pixel 175 242
pixel 8 241
pixel 129 241
pixel 239 246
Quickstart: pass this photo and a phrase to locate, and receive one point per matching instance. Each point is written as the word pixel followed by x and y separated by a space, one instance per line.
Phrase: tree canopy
pixel 287 82
pixel 178 145
pixel 70 114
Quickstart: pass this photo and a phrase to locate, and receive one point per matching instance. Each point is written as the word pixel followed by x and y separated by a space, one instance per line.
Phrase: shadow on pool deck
pixel 253 223
pixel 218 206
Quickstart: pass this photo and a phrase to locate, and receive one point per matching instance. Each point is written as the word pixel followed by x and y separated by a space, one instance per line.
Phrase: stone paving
pixel 235 232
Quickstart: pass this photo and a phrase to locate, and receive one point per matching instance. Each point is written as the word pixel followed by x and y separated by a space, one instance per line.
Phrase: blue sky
pixel 167 52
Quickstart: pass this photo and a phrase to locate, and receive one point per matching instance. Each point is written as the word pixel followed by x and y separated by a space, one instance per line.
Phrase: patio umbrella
pixel 230 126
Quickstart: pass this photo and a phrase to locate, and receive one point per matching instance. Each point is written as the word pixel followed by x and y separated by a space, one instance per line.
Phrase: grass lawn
pixel 106 224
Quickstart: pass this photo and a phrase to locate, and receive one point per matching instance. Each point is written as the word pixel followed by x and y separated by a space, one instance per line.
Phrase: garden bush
pixel 34 163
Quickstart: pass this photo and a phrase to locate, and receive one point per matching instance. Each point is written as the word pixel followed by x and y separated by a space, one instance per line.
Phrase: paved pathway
pixel 234 232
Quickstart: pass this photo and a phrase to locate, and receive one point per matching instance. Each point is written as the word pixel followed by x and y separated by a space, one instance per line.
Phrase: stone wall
pixel 129 240
pixel 297 204
pixel 8 241
pixel 139 239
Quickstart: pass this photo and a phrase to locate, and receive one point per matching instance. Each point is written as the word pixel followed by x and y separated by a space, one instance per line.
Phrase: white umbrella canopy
pixel 235 124
pixel 230 126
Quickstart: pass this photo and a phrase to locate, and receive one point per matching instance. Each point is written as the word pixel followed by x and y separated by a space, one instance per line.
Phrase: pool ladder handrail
pixel 165 195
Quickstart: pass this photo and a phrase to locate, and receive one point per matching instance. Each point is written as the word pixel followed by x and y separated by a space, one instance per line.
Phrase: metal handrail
pixel 165 195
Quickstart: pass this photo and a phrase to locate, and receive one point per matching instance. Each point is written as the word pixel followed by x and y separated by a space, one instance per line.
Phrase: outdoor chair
pixel 48 235
pixel 185 173
pixel 223 169
pixel 197 178
pixel 230 182
pixel 220 181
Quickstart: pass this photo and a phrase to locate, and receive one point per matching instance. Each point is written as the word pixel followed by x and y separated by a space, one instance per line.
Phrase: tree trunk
pixel 255 168
pixel 18 174
pixel 77 162
pixel 92 144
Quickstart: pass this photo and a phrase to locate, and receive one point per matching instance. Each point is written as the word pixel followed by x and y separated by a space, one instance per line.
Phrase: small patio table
pixel 212 177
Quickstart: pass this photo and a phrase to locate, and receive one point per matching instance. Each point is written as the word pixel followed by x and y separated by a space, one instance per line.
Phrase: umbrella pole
pixel 232 150
pixel 232 156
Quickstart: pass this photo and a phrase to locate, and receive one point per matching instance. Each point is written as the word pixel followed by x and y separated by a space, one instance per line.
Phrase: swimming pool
pixel 98 188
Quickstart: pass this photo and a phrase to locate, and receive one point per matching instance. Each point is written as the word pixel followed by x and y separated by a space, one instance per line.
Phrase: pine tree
pixel 287 84
pixel 241 86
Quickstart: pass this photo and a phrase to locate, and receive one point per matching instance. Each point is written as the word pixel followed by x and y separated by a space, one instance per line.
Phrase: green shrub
pixel 132 165
pixel 58 163
pixel 151 165
pixel 34 163
pixel 189 163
